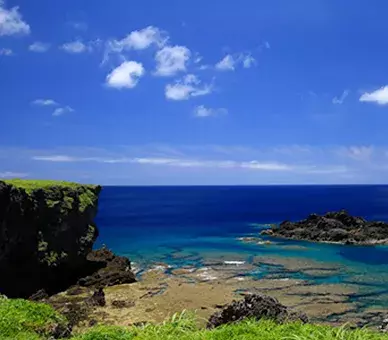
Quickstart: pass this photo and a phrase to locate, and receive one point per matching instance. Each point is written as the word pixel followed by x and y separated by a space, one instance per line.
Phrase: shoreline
pixel 160 292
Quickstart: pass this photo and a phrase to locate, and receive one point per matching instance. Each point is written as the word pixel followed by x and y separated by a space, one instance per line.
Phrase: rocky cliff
pixel 47 231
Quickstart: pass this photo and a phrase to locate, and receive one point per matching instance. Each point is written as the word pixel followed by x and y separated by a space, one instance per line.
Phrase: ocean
pixel 188 226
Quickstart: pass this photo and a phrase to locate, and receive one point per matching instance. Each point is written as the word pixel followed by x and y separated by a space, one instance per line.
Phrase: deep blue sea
pixel 151 224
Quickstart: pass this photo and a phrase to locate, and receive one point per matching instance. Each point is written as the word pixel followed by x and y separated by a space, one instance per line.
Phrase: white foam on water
pixel 159 268
pixel 205 275
pixel 235 263
pixel 240 278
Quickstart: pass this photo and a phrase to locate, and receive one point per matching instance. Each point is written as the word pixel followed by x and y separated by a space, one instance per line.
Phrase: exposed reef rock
pixel 47 231
pixel 111 270
pixel 257 307
pixel 339 227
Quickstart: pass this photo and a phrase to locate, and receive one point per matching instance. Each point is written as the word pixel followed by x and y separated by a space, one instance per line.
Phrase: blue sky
pixel 194 92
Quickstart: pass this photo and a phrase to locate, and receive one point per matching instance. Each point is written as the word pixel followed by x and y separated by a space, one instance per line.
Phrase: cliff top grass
pixel 86 192
pixel 25 320
pixel 30 184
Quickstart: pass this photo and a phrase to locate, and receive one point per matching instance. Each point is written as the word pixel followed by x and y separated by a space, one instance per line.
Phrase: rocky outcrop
pixel 255 306
pixel 47 231
pixel 110 270
pixel 339 227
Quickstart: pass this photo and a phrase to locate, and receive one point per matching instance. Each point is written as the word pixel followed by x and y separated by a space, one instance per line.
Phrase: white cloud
pixel 75 47
pixel 11 174
pixel 6 51
pixel 136 40
pixel 126 75
pixel 204 67
pixel 230 62
pixel 328 170
pixel 202 111
pixel 379 96
pixel 175 162
pixel 45 102
pixel 358 153
pixel 144 38
pixel 39 47
pixel 55 158
pixel 255 165
pixel 233 164
pixel 62 110
pixel 226 64
pixel 248 61
pixel 189 86
pixel 198 58
pixel 341 99
pixel 11 22
pixel 171 59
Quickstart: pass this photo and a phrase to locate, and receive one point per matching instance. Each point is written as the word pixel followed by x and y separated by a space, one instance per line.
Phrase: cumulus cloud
pixel 6 51
pixel 75 47
pixel 126 75
pixel 136 40
pixel 248 61
pixel 144 38
pixel 202 111
pixel 62 110
pixel 226 64
pixel 341 99
pixel 11 22
pixel 379 96
pixel 188 86
pixel 171 59
pixel 39 47
pixel 230 62
pixel 45 102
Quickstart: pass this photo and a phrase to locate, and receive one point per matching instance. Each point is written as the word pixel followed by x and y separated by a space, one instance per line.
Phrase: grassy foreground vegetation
pixel 24 320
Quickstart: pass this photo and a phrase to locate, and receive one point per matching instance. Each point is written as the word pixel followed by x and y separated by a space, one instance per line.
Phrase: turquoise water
pixel 190 226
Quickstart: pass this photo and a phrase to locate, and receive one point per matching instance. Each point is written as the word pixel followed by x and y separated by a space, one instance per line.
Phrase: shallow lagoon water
pixel 195 226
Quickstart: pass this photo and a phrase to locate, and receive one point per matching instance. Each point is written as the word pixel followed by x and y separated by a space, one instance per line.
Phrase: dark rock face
pixel 98 298
pixel 333 227
pixel 257 307
pixel 46 235
pixel 39 295
pixel 109 270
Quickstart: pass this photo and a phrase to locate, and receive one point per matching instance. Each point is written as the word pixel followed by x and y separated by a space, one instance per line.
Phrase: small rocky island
pixel 336 227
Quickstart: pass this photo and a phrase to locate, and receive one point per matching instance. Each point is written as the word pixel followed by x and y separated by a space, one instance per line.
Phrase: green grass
pixel 184 328
pixel 30 185
pixel 86 193
pixel 25 320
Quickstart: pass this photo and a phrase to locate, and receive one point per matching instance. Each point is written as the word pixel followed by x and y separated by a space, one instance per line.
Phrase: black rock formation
pixel 338 227
pixel 255 306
